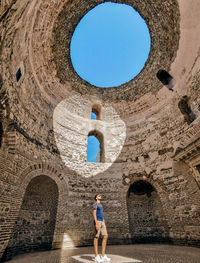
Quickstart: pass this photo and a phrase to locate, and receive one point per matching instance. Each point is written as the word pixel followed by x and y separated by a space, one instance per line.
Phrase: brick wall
pixel 141 120
pixel 35 224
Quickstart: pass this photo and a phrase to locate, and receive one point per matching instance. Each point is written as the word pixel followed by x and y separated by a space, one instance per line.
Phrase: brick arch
pixel 61 181
pixel 161 195
pixel 25 178
pixel 137 177
pixel 147 220
pixel 35 223
pixel 45 169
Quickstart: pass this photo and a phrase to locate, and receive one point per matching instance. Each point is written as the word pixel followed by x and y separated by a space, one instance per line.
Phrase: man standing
pixel 100 228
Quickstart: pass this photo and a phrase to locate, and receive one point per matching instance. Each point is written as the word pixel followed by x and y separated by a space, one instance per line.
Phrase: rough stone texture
pixel 71 130
pixel 147 221
pixel 35 224
pixel 155 131
pixel 163 24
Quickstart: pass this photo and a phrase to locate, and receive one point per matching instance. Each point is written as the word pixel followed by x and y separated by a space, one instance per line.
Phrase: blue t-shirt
pixel 99 208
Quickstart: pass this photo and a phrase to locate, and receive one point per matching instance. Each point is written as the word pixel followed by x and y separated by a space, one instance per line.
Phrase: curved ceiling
pixel 51 58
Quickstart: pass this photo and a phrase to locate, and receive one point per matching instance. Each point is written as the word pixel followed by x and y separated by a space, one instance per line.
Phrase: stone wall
pixel 147 221
pixel 141 123
pixel 34 227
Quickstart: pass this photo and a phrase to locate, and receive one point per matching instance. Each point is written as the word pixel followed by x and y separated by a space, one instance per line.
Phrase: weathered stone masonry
pixel 148 144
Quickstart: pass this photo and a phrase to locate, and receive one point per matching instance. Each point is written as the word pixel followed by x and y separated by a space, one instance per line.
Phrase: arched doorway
pixel 147 222
pixel 35 225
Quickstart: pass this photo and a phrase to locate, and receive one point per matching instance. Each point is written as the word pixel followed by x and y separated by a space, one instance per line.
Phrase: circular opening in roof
pixel 110 45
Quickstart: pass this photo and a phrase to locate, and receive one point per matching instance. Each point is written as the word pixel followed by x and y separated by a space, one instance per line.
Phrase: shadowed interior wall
pixel 46 118
pixel 34 228
pixel 147 221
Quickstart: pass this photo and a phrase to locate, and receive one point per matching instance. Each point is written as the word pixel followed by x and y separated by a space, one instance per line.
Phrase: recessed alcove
pixel 164 77
pixel 147 221
pixel 186 110
pixel 35 225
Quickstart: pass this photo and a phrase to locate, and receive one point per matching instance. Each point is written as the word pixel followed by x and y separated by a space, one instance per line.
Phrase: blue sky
pixel 110 45
pixel 92 149
pixel 93 145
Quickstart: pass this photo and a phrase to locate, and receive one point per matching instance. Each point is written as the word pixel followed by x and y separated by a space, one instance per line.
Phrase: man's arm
pixel 95 219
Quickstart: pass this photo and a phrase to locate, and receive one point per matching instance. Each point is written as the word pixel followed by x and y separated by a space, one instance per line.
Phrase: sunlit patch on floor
pixel 88 258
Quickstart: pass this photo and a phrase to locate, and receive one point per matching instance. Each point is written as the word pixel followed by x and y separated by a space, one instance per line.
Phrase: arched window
pixel 96 112
pixel 1 133
pixel 95 147
pixel 185 109
pixel 164 77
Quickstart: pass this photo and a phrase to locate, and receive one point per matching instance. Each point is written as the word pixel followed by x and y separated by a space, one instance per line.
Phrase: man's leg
pixel 104 241
pixel 96 246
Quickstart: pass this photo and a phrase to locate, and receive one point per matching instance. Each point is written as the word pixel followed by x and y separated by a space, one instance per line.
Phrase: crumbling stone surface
pixel 140 121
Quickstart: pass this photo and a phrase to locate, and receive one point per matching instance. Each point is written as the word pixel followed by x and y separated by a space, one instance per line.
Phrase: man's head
pixel 97 197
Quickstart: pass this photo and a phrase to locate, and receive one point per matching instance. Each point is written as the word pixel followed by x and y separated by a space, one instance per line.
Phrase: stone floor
pixel 119 254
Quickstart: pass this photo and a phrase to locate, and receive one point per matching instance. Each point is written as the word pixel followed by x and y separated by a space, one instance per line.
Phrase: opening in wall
pixel 185 109
pixel 95 147
pixel 198 168
pixel 96 48
pixel 18 74
pixel 164 77
pixel 96 112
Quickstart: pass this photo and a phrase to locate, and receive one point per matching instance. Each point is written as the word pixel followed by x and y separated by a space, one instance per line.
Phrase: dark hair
pixel 95 198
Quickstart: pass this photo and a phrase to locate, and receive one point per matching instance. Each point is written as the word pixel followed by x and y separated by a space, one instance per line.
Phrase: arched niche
pixel 186 110
pixel 35 225
pixel 147 221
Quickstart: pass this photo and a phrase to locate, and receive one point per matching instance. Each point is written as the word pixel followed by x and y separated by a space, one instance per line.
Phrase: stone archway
pixel 35 225
pixel 147 221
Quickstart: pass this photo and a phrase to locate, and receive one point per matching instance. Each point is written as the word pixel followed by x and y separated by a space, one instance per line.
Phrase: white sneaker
pixel 106 259
pixel 98 259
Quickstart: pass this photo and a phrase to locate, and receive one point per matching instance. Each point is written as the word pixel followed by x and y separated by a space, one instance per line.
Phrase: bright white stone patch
pixel 71 133
pixel 88 258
